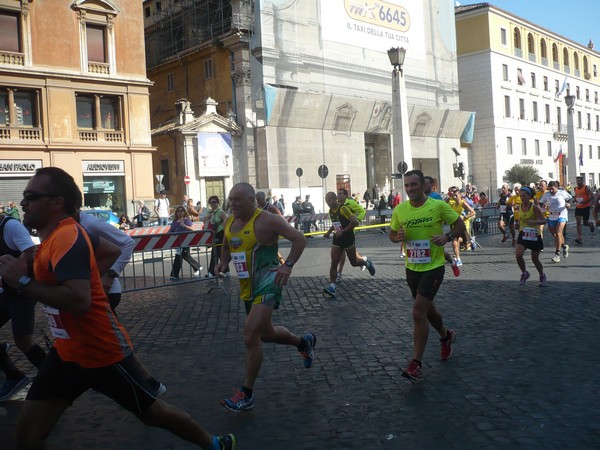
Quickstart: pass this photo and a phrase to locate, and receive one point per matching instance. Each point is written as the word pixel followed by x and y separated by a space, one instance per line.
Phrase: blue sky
pixel 576 20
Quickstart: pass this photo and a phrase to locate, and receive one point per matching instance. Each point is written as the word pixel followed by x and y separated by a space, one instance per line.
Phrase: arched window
pixel 566 57
pixel 543 49
pixel 576 61
pixel 517 38
pixel 586 68
pixel 530 44
pixel 555 53
pixel 517 42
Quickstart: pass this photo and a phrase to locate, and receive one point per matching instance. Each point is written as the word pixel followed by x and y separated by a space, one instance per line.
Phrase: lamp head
pixel 455 151
pixel 397 55
pixel 570 101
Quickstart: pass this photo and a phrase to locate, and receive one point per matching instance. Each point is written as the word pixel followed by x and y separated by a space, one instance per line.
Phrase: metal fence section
pixel 155 251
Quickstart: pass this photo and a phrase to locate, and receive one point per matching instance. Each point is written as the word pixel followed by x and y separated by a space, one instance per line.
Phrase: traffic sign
pixel 402 167
pixel 187 179
pixel 299 172
pixel 159 188
pixel 323 171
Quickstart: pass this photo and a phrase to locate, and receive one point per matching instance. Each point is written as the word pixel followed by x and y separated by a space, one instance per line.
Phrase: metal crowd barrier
pixel 154 253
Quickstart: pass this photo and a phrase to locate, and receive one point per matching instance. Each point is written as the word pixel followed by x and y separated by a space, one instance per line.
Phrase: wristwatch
pixel 289 264
pixel 449 236
pixel 112 273
pixel 24 281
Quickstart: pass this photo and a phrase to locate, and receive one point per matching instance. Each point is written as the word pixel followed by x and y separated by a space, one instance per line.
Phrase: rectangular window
pixel 587 95
pixel 170 83
pixel 503 37
pixel 509 148
pixel 520 78
pixel 549 148
pixel 96 48
pixel 546 84
pixel 147 12
pixel 597 122
pixel 24 108
pixel 577 92
pixel 556 87
pixel 591 180
pixel 506 106
pixel 504 72
pixel 589 121
pixel 18 108
pixel 558 117
pixel 598 150
pixel 537 147
pixel 10 36
pixel 98 112
pixel 523 146
pixel 535 111
pixel 533 83
pixel 596 97
pixel 547 108
pixel 208 69
pixel 578 119
pixel 521 108
pixel 590 152
pixel 164 170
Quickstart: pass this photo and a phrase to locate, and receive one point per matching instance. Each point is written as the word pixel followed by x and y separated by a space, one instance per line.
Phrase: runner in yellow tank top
pixel 251 237
pixel 530 235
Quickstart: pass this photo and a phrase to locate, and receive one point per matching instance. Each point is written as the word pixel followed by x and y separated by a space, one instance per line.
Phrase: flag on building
pixel 559 155
pixel 581 156
pixel 563 88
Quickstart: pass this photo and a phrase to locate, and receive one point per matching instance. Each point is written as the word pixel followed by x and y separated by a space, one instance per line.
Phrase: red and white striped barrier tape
pixel 148 242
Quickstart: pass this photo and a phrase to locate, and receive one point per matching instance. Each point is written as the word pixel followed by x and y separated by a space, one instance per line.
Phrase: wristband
pixel 289 264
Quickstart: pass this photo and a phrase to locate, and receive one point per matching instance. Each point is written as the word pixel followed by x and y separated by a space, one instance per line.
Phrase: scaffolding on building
pixel 180 26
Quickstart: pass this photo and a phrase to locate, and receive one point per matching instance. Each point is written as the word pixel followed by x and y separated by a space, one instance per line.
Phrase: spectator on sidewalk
pixel 182 223
pixel 143 214
pixel 162 209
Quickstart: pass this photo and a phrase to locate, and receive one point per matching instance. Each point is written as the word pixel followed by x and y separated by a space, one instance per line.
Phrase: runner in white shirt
pixel 557 201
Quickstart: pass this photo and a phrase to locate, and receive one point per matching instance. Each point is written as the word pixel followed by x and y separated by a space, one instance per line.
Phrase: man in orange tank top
pixel 91 349
pixel 583 197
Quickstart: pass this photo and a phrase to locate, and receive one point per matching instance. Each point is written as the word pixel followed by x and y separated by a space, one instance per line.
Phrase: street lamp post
pixel 572 159
pixel 400 132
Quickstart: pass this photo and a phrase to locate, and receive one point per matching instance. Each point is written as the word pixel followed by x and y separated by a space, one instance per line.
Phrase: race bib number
pixel 337 226
pixel 579 200
pixel 554 215
pixel 530 234
pixel 502 209
pixel 55 323
pixel 240 264
pixel 418 252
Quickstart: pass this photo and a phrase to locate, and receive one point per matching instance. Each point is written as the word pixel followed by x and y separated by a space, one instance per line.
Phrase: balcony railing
pixel 99 68
pixel 560 132
pixel 12 58
pixel 111 136
pixel 20 133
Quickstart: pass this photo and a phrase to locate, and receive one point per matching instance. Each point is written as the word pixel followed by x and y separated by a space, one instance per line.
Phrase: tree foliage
pixel 522 173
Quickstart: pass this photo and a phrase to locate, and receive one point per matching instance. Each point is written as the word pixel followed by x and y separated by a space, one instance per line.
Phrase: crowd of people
pixel 75 273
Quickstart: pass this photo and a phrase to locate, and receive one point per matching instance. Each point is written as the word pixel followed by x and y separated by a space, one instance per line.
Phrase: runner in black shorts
pixel 530 235
pixel 343 223
pixel 506 217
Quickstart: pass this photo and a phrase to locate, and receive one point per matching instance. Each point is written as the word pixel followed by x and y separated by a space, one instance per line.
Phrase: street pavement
pixel 524 373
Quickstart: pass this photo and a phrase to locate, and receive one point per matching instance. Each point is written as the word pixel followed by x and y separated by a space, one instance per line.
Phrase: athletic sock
pixel 36 355
pixel 247 391
pixel 303 345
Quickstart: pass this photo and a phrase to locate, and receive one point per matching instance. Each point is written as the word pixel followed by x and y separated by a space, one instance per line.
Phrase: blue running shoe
pixel 12 386
pixel 329 290
pixel 309 352
pixel 239 402
pixel 225 442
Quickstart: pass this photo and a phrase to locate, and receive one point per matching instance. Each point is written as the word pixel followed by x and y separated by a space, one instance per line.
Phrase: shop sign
pixel 19 166
pixel 103 167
